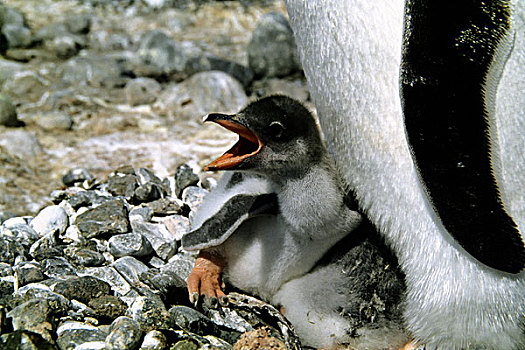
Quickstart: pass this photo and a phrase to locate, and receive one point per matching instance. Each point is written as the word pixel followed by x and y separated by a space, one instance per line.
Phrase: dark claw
pixel 195 298
pixel 224 301
pixel 211 303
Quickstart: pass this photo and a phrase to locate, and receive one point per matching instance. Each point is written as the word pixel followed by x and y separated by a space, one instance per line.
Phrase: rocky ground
pixel 102 268
pixel 94 93
pixel 100 84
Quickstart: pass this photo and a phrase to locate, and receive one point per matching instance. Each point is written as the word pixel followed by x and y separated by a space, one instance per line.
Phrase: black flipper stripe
pixel 449 47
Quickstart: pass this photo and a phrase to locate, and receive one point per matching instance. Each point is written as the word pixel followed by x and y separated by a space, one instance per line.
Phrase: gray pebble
pixel 35 315
pixel 133 244
pixel 57 268
pixel 125 334
pixel 83 288
pixel 85 257
pixel 148 192
pixel 8 115
pixel 122 185
pixel 76 175
pixel 130 268
pixel 142 91
pixel 17 36
pixel 111 276
pixel 272 51
pixel 162 52
pixel 108 218
pixel 193 196
pixel 50 219
pixel 203 93
pixel 27 340
pixel 28 272
pixel 184 177
pixel 154 340
pixel 158 236
pixel 192 320
pixel 22 144
pixel 143 214
pixel 72 334
pixel 150 313
pixel 55 120
pixel 107 308
pixel 78 24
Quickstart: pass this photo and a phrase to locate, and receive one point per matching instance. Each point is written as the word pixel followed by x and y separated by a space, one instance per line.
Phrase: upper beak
pixel 247 146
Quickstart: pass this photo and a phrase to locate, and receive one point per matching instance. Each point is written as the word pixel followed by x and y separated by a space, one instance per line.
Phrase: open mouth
pixel 247 146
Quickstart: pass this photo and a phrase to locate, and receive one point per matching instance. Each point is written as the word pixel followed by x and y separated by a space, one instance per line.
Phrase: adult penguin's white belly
pixel 423 109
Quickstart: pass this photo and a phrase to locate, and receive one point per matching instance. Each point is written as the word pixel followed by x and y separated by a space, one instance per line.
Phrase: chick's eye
pixel 276 129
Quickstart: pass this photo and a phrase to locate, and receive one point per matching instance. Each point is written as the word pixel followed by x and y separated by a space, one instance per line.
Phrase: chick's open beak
pixel 247 146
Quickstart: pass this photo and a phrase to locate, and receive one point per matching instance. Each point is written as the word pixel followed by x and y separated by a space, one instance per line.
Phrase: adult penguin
pixel 422 107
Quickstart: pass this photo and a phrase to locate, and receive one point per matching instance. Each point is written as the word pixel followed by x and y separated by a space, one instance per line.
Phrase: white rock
pixel 50 219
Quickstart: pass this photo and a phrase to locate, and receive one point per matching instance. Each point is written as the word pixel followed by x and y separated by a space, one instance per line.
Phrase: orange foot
pixel 205 279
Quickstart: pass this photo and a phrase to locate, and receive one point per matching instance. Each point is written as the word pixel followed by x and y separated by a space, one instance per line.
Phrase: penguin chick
pixel 280 145
pixel 270 253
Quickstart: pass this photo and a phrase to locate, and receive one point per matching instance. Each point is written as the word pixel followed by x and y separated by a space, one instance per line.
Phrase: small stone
pixel 142 91
pixel 86 199
pixel 186 345
pixel 154 340
pixel 6 270
pixel 147 176
pixel 76 175
pixel 203 93
pixel 108 218
pixel 158 236
pixel 35 315
pixel 83 288
pixel 181 265
pixel 21 143
pixel 50 219
pixel 27 340
pixel 184 177
pixel 85 257
pixel 150 313
pixel 193 196
pixel 6 292
pixel 165 206
pixel 125 334
pixel 10 249
pixel 169 284
pixel 272 51
pixel 71 235
pixel 122 185
pixel 92 70
pixel 162 52
pixel 110 275
pixel 143 214
pixel 25 85
pixel 78 24
pixel 130 268
pixel 148 192
pixel 28 272
pixel 108 307
pixel 132 244
pixel 192 320
pixel 177 225
pixel 23 233
pixel 55 120
pixel 16 35
pixel 8 115
pixel 209 63
pixel 72 334
pixel 57 268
